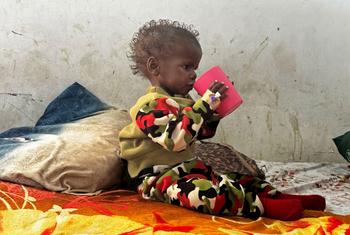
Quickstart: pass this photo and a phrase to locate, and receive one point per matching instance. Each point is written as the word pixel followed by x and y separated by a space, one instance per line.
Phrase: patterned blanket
pixel 25 210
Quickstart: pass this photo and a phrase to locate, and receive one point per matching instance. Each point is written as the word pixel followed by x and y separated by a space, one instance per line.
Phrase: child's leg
pixel 193 185
pixel 274 207
pixel 265 190
pixel 153 187
pixel 310 202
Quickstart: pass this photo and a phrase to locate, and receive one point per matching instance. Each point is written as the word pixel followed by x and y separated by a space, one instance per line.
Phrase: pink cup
pixel 231 102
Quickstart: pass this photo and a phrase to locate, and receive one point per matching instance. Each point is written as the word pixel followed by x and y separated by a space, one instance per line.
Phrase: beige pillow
pixel 80 158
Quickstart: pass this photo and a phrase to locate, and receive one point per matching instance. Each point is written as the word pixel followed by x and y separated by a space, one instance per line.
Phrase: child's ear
pixel 153 66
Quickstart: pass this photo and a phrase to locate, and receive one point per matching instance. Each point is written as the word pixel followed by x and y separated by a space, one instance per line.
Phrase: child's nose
pixel 193 75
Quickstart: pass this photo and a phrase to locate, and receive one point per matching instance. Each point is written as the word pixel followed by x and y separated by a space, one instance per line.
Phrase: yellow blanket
pixel 25 210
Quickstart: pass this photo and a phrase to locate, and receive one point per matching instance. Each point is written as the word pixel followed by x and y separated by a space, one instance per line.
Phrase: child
pixel 158 145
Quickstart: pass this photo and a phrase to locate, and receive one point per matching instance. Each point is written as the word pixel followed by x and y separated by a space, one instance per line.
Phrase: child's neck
pixel 155 83
pixel 167 91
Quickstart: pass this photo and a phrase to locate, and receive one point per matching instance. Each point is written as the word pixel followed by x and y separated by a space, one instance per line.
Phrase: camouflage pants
pixel 194 185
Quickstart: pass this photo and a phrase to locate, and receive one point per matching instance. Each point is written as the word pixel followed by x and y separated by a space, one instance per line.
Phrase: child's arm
pixel 174 129
pixel 208 128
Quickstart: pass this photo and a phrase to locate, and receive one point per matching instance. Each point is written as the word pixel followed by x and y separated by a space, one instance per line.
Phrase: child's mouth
pixel 190 85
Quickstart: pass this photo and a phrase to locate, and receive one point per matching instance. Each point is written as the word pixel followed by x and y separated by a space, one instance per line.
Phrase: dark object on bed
pixel 224 158
pixel 343 144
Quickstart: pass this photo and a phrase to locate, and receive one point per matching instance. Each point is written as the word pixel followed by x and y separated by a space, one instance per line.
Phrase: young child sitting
pixel 159 143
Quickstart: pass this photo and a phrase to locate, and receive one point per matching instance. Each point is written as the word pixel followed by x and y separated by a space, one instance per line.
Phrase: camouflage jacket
pixel 164 129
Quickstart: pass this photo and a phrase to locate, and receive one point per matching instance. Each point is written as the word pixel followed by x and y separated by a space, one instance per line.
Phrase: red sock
pixel 282 209
pixel 310 202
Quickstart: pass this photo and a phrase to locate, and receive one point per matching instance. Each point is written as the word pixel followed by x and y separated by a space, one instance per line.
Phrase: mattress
pixel 26 210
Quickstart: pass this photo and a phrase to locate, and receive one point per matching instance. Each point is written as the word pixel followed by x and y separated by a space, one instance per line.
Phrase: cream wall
pixel 289 60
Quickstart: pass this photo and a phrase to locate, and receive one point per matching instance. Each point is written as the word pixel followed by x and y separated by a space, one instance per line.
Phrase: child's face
pixel 177 72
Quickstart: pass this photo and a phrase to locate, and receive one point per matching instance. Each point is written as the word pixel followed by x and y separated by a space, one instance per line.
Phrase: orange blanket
pixel 25 210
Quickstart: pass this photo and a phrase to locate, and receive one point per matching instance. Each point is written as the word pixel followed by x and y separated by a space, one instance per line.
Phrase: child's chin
pixel 185 92
pixel 188 90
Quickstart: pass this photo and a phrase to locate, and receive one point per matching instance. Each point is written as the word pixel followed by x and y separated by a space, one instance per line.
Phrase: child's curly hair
pixel 154 38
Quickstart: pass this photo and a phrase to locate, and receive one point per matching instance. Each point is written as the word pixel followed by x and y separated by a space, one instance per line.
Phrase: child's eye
pixel 187 66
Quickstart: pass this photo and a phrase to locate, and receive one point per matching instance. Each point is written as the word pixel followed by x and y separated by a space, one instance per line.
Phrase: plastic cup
pixel 231 101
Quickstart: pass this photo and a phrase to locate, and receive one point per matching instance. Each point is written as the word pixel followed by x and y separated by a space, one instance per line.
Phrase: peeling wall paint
pixel 289 61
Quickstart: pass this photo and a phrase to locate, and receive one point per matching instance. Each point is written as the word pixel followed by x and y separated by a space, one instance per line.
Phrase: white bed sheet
pixel 327 179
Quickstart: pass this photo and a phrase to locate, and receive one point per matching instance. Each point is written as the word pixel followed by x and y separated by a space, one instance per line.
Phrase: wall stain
pixel 256 53
pixel 285 60
pixel 14 68
pixel 24 95
pixel 276 93
pixel 298 140
pixel 3 104
pixel 263 92
pixel 264 41
pixel 269 121
pixel 21 34
pixel 36 65
pixel 65 57
pixel 89 64
pixel 79 27
pixel 14 32
pixel 249 120
pixel 14 94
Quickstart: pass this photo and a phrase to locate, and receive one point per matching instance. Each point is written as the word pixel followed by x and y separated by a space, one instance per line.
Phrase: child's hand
pixel 215 93
pixel 220 88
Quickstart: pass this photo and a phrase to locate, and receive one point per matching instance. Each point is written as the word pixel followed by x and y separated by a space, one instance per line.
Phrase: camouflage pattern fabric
pixel 175 127
pixel 193 185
